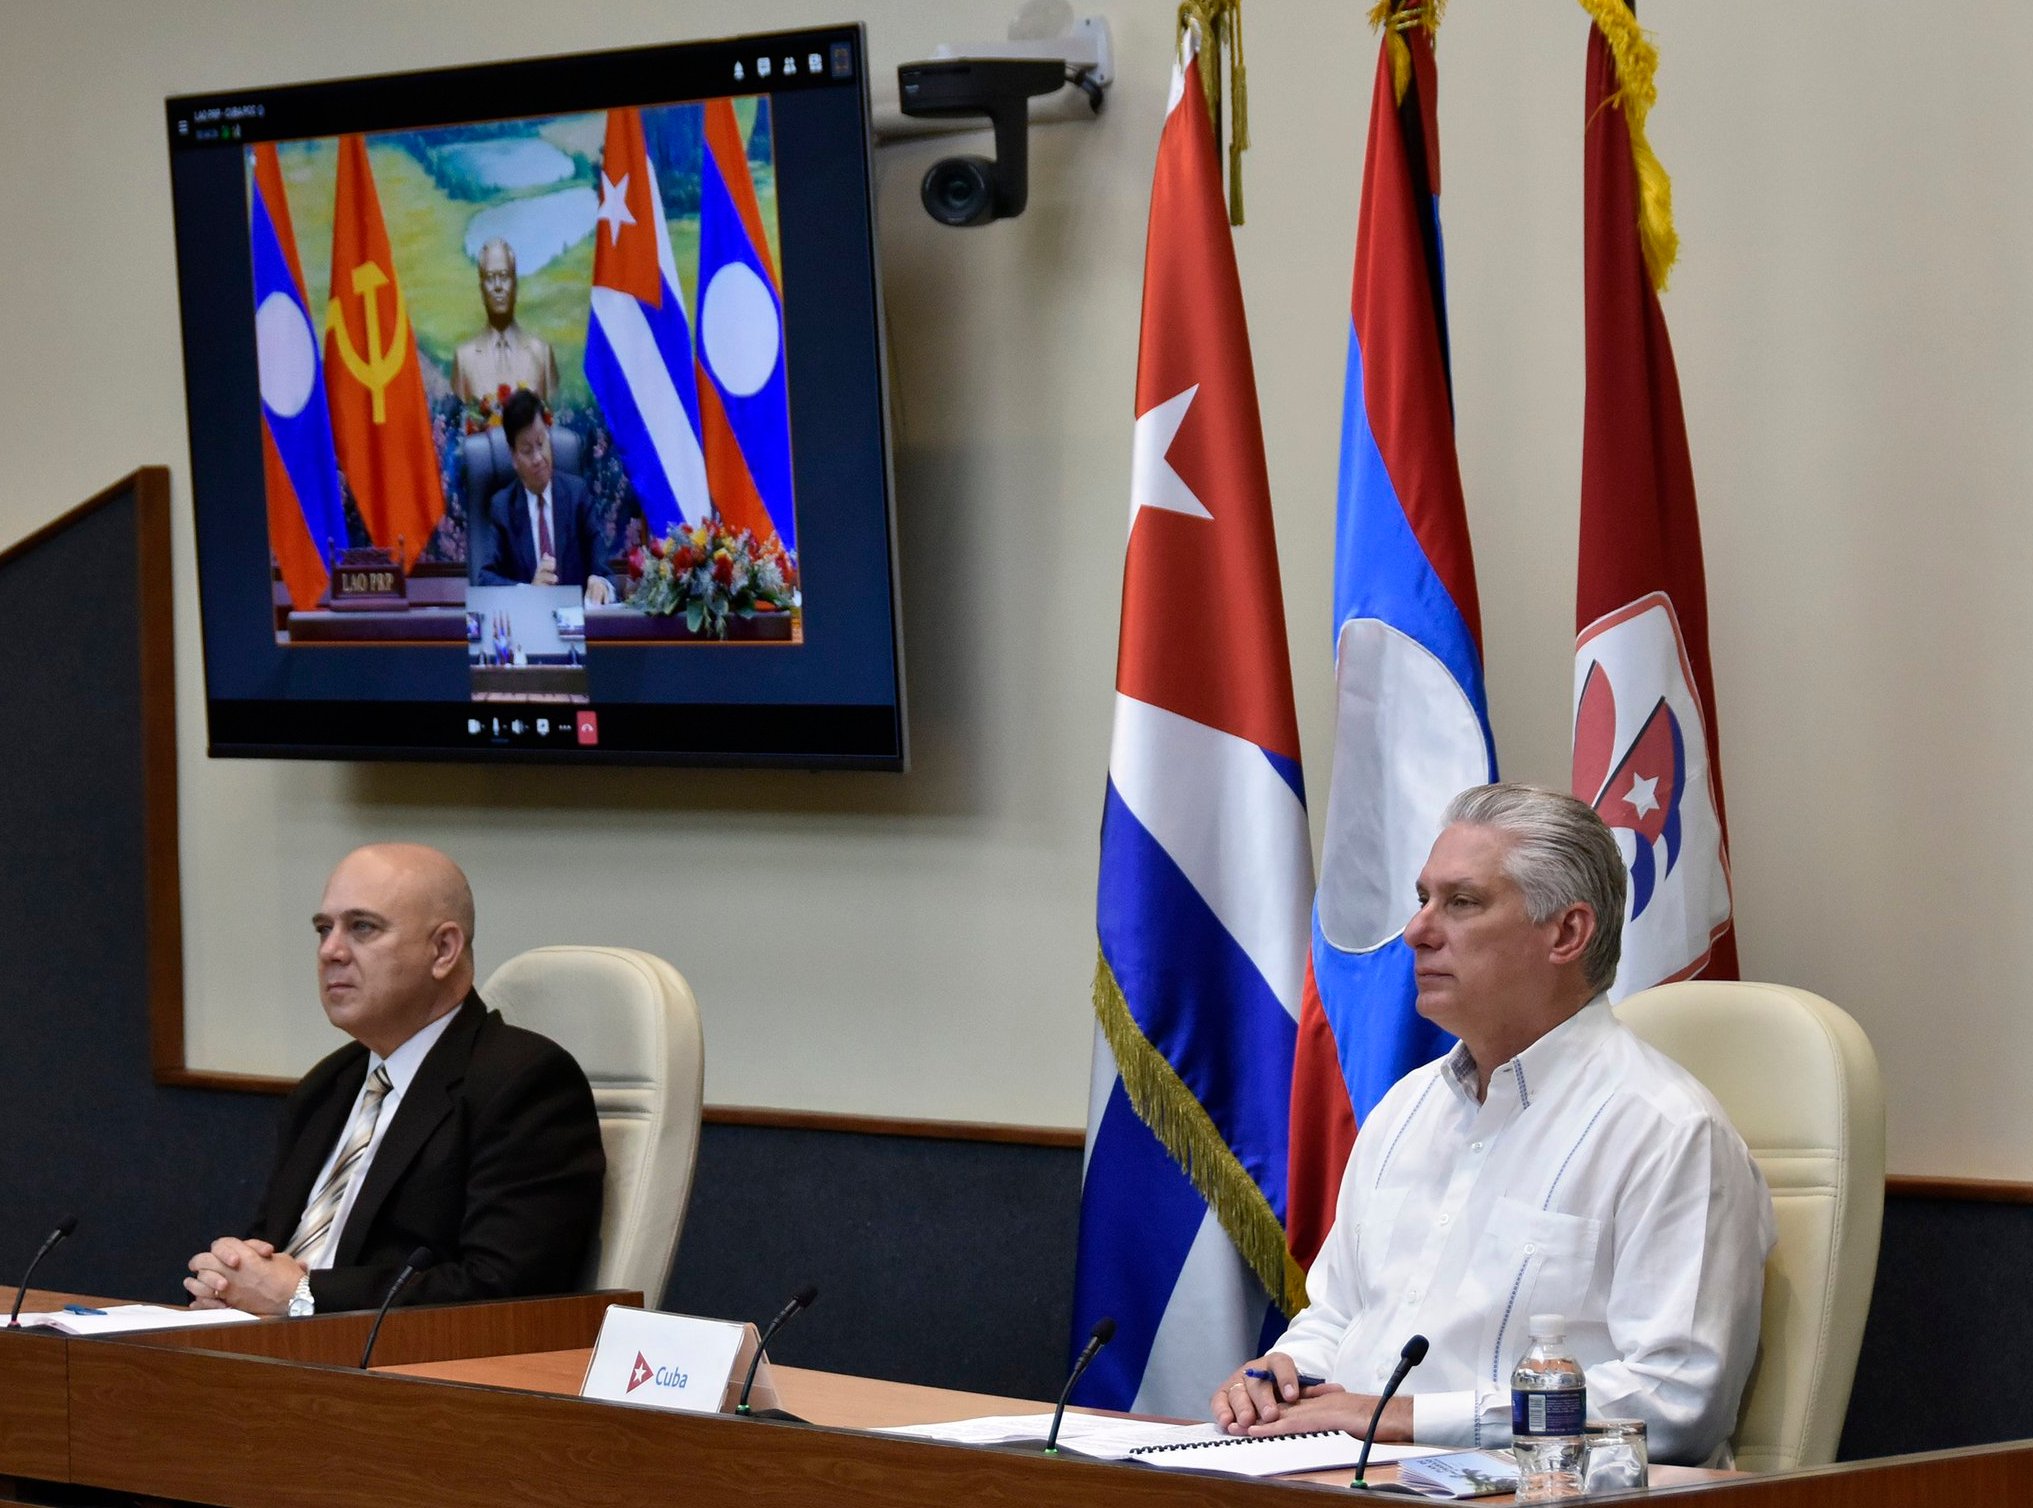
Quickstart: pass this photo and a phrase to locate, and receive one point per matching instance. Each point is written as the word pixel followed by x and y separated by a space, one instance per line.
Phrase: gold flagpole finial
pixel 1637 63
pixel 1396 17
pixel 1215 23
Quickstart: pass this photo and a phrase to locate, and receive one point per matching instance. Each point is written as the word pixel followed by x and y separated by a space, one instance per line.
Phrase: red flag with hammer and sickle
pixel 381 425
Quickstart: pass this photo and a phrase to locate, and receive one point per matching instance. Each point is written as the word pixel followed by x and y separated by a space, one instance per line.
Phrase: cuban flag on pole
pixel 1645 746
pixel 1206 858
pixel 744 402
pixel 299 464
pixel 1411 719
pixel 638 344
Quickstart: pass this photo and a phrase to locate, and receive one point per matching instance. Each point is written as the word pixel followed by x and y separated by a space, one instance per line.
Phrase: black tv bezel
pixel 464 92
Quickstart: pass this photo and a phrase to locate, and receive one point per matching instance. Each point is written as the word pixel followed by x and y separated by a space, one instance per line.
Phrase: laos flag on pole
pixel 299 466
pixel 1206 860
pixel 1645 748
pixel 1411 721
pixel 743 399
pixel 638 344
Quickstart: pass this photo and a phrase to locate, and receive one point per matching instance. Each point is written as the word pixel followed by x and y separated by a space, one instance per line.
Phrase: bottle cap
pixel 1548 1326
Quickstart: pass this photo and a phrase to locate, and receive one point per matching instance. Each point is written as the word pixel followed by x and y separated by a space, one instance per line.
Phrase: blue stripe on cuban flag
pixel 1412 730
pixel 293 386
pixel 1205 884
pixel 741 330
pixel 639 366
pixel 1185 1304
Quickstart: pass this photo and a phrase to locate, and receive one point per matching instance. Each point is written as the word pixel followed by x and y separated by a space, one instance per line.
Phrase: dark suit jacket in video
pixel 576 540
pixel 493 1161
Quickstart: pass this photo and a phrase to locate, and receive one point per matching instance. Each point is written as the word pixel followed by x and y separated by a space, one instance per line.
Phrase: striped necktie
pixel 314 1231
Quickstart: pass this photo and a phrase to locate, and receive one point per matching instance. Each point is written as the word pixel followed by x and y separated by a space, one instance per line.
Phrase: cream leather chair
pixel 630 1020
pixel 1800 1081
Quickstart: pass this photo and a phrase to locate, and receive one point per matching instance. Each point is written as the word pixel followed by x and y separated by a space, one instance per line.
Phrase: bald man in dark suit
pixel 438 1126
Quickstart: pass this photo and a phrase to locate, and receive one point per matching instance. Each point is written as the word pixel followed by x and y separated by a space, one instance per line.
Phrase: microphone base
pixel 782 1416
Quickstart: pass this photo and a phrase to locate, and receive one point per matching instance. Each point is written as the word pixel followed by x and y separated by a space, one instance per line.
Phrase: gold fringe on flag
pixel 1637 63
pixel 1394 18
pixel 1213 22
pixel 1182 1125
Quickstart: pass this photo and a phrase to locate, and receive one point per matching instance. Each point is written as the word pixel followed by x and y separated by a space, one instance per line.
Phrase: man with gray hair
pixel 1551 1163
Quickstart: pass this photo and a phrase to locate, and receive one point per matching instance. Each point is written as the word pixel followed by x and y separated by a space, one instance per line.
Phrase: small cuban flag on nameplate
pixel 676 1361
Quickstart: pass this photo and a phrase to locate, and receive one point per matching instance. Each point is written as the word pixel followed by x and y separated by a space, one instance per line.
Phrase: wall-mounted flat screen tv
pixel 537 410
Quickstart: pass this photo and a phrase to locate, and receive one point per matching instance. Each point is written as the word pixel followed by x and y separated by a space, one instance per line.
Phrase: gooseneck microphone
pixel 413 1264
pixel 1104 1332
pixel 802 1299
pixel 64 1227
pixel 1410 1357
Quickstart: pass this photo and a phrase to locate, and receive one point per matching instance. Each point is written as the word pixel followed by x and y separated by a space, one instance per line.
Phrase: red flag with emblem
pixel 381 424
pixel 1645 746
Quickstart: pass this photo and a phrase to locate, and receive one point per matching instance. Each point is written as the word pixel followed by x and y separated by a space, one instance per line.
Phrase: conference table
pixel 478 1404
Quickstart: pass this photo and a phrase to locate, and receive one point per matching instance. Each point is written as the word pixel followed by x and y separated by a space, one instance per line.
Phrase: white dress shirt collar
pixel 1542 1065
pixel 403 1063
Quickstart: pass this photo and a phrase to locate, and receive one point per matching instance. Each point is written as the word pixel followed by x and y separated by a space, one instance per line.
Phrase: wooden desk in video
pixel 423 625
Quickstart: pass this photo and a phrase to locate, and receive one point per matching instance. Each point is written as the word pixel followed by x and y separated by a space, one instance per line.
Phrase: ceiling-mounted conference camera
pixel 976 190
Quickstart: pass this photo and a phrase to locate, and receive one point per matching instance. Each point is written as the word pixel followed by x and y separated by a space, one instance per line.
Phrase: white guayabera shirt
pixel 1598 1180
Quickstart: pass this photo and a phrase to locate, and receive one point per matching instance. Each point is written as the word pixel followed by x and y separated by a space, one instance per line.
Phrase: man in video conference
pixel 439 1125
pixel 504 355
pixel 542 526
pixel 1552 1163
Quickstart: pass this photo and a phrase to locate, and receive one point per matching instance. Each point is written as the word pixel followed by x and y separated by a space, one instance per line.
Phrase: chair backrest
pixel 630 1020
pixel 1799 1079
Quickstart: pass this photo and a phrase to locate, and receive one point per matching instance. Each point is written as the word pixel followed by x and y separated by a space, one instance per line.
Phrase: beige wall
pixel 1852 323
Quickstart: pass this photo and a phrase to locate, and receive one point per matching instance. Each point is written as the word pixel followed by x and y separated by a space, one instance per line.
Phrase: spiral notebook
pixel 1272 1455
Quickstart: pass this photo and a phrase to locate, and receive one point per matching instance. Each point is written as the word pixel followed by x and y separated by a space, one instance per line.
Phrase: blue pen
pixel 81 1309
pixel 1262 1376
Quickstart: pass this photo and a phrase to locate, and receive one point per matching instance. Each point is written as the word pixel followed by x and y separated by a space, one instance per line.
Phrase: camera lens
pixel 960 191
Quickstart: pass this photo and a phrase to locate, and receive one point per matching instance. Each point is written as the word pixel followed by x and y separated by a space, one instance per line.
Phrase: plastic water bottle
pixel 1549 1400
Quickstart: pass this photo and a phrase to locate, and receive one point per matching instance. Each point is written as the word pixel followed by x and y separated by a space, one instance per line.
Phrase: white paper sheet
pixel 122 1319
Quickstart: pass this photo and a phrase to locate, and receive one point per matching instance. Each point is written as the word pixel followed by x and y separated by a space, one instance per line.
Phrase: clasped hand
pixel 1279 1404
pixel 249 1275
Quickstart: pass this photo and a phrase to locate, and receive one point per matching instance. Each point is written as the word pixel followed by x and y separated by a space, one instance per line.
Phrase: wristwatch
pixel 301 1303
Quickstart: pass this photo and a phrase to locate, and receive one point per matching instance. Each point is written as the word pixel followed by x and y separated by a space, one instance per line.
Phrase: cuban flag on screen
pixel 1411 721
pixel 300 466
pixel 743 397
pixel 638 343
pixel 1206 858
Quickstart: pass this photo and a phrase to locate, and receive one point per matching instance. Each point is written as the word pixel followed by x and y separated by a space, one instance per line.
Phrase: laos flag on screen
pixel 1411 723
pixel 300 467
pixel 638 344
pixel 744 402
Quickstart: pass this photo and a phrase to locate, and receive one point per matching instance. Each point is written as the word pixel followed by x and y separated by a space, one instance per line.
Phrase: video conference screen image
pixel 525 392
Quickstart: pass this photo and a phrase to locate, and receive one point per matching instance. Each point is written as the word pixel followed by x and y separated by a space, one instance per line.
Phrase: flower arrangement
pixel 484 412
pixel 712 572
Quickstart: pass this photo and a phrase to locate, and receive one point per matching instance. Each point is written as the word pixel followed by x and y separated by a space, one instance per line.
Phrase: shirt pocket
pixel 1374 1234
pixel 1534 1261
